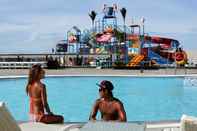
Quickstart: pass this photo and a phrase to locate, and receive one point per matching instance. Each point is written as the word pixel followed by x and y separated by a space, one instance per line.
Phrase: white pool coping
pixel 99 75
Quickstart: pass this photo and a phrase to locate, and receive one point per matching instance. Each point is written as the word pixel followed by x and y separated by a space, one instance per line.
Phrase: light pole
pixel 142 21
pixel 141 44
pixel 142 40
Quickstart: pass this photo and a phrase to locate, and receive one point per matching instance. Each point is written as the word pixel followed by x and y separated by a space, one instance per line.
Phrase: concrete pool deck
pixel 160 126
pixel 103 72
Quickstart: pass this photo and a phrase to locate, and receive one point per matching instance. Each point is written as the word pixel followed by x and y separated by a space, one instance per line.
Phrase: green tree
pixel 119 35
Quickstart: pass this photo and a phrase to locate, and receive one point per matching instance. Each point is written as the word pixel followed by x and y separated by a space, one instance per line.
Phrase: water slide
pixel 164 43
pixel 135 61
pixel 100 50
pixel 104 38
pixel 159 59
pixel 122 29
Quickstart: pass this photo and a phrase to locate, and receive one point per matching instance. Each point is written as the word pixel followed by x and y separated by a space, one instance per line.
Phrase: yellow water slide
pixel 135 61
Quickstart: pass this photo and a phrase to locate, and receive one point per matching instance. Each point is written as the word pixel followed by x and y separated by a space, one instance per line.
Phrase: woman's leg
pixel 52 119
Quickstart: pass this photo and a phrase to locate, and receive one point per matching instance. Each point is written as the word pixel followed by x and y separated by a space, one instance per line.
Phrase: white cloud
pixel 5 27
pixel 39 33
pixel 36 26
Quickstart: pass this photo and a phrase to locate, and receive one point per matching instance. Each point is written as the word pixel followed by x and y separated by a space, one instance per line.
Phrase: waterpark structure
pixel 128 46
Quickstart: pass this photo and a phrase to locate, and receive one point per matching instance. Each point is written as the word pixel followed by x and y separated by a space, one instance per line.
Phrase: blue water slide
pixel 159 59
pixel 121 29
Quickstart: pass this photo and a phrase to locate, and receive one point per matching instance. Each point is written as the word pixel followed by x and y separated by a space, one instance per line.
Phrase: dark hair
pixel 105 84
pixel 33 76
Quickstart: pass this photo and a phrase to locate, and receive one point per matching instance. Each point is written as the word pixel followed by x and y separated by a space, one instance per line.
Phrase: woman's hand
pixel 50 113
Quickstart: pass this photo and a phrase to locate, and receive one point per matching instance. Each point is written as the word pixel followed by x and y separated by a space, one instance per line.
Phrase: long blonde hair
pixel 34 75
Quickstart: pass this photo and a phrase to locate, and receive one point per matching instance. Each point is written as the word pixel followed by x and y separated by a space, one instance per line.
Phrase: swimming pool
pixel 144 98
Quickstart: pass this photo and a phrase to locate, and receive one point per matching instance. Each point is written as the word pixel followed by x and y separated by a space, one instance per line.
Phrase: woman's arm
pixel 44 100
pixel 94 111
pixel 121 112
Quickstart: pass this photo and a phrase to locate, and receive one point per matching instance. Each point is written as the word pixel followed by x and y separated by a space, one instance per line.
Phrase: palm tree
pixel 123 12
pixel 92 15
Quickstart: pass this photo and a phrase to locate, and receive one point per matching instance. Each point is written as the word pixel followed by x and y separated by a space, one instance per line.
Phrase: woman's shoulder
pixel 38 85
pixel 116 100
pixel 98 101
pixel 42 86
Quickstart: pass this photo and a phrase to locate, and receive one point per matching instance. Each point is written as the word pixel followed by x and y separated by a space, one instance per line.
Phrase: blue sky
pixel 35 26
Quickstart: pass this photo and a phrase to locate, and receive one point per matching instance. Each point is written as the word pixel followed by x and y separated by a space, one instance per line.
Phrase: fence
pixel 21 65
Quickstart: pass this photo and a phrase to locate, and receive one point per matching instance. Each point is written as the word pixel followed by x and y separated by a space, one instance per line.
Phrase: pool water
pixel 144 98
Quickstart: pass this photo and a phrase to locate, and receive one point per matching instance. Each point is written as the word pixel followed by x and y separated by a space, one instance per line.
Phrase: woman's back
pixel 35 90
pixel 36 98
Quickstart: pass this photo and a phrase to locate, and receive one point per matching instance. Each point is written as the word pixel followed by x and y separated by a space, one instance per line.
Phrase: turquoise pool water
pixel 145 99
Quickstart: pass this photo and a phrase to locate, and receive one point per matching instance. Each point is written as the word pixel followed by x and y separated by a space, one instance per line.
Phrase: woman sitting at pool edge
pixel 110 107
pixel 36 91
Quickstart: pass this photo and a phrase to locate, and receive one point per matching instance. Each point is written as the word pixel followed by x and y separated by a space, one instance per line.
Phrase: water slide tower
pixel 109 19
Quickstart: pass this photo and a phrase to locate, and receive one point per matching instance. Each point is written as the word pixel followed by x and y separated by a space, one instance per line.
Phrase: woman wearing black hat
pixel 110 107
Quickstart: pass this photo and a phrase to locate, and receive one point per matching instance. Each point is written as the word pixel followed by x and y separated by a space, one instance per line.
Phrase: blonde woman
pixel 36 90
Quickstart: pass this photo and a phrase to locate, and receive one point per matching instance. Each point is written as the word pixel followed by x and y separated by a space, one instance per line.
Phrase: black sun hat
pixel 105 84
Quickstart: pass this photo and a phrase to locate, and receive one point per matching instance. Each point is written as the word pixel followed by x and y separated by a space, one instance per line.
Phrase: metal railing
pixel 21 65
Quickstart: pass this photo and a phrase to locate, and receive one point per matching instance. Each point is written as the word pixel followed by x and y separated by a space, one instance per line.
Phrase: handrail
pixel 21 64
pixel 33 62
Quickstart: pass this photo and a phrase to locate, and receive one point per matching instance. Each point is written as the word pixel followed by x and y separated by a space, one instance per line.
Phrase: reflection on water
pixel 190 81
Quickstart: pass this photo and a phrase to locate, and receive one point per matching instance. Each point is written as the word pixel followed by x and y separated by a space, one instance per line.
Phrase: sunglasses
pixel 101 89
